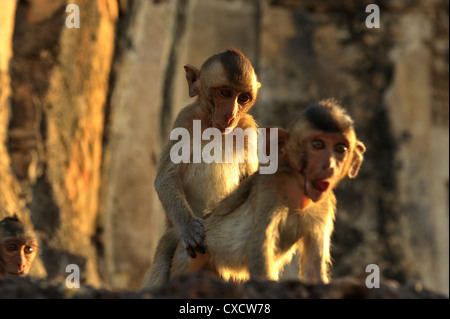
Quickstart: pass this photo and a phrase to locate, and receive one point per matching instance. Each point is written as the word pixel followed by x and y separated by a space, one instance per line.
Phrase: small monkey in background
pixel 254 231
pixel 226 87
pixel 18 247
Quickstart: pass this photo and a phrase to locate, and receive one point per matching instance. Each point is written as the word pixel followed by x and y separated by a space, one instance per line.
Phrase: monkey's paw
pixel 193 236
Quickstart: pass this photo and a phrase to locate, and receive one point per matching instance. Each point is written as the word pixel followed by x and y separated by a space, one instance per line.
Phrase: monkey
pixel 18 247
pixel 226 87
pixel 255 230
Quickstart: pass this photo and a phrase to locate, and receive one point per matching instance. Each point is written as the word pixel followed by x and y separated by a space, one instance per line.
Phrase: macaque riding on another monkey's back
pixel 226 88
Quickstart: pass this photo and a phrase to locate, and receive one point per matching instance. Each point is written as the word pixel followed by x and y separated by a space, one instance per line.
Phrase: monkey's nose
pixel 329 163
pixel 230 119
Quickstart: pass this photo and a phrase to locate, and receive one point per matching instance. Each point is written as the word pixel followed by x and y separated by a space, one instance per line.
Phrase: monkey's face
pixel 229 103
pixel 17 256
pixel 228 88
pixel 326 158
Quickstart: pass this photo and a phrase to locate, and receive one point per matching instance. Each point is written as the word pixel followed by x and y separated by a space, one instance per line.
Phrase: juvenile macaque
pixel 227 87
pixel 254 231
pixel 18 248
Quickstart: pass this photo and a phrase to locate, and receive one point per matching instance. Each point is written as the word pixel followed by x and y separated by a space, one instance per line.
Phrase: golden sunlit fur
pixel 254 231
pixel 187 189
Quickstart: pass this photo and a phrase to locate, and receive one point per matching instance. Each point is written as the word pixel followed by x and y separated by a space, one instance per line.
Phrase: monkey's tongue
pixel 321 186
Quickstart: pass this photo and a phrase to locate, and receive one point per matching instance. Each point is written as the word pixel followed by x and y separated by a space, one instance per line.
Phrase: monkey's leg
pixel 160 269
pixel 262 259
pixel 314 259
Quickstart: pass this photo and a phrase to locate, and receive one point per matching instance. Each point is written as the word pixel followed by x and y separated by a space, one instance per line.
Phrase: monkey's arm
pixel 315 259
pixel 168 185
pixel 250 166
pixel 263 238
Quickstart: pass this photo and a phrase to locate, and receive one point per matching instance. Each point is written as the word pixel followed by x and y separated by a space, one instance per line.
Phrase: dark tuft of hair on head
pixel 12 226
pixel 238 68
pixel 328 116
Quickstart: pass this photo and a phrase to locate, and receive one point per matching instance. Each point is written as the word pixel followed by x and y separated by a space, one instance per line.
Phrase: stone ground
pixel 201 286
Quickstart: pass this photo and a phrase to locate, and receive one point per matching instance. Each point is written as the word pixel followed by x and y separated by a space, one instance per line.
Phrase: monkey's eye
pixel 225 92
pixel 318 144
pixel 29 249
pixel 11 247
pixel 340 148
pixel 244 98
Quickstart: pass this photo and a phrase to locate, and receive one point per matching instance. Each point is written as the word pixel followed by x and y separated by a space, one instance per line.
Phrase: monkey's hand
pixel 192 237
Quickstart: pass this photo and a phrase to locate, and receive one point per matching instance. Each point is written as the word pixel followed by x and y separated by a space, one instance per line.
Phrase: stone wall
pixel 84 113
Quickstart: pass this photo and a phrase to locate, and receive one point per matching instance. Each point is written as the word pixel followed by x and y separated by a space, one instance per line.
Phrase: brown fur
pixel 18 247
pixel 187 189
pixel 254 231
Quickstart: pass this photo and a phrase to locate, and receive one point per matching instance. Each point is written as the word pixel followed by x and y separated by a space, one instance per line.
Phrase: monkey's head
pixel 18 247
pixel 226 85
pixel 323 147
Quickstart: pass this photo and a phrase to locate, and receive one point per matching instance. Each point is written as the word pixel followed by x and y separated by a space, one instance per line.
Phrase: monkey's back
pixel 226 239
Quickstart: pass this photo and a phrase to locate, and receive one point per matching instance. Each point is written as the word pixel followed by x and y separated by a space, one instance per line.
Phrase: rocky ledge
pixel 202 286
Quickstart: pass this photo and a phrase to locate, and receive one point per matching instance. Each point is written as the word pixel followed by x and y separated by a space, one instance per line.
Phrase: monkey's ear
pixel 283 137
pixel 192 77
pixel 357 159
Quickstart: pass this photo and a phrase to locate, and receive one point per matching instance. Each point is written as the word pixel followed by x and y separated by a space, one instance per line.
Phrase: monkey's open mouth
pixel 320 185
